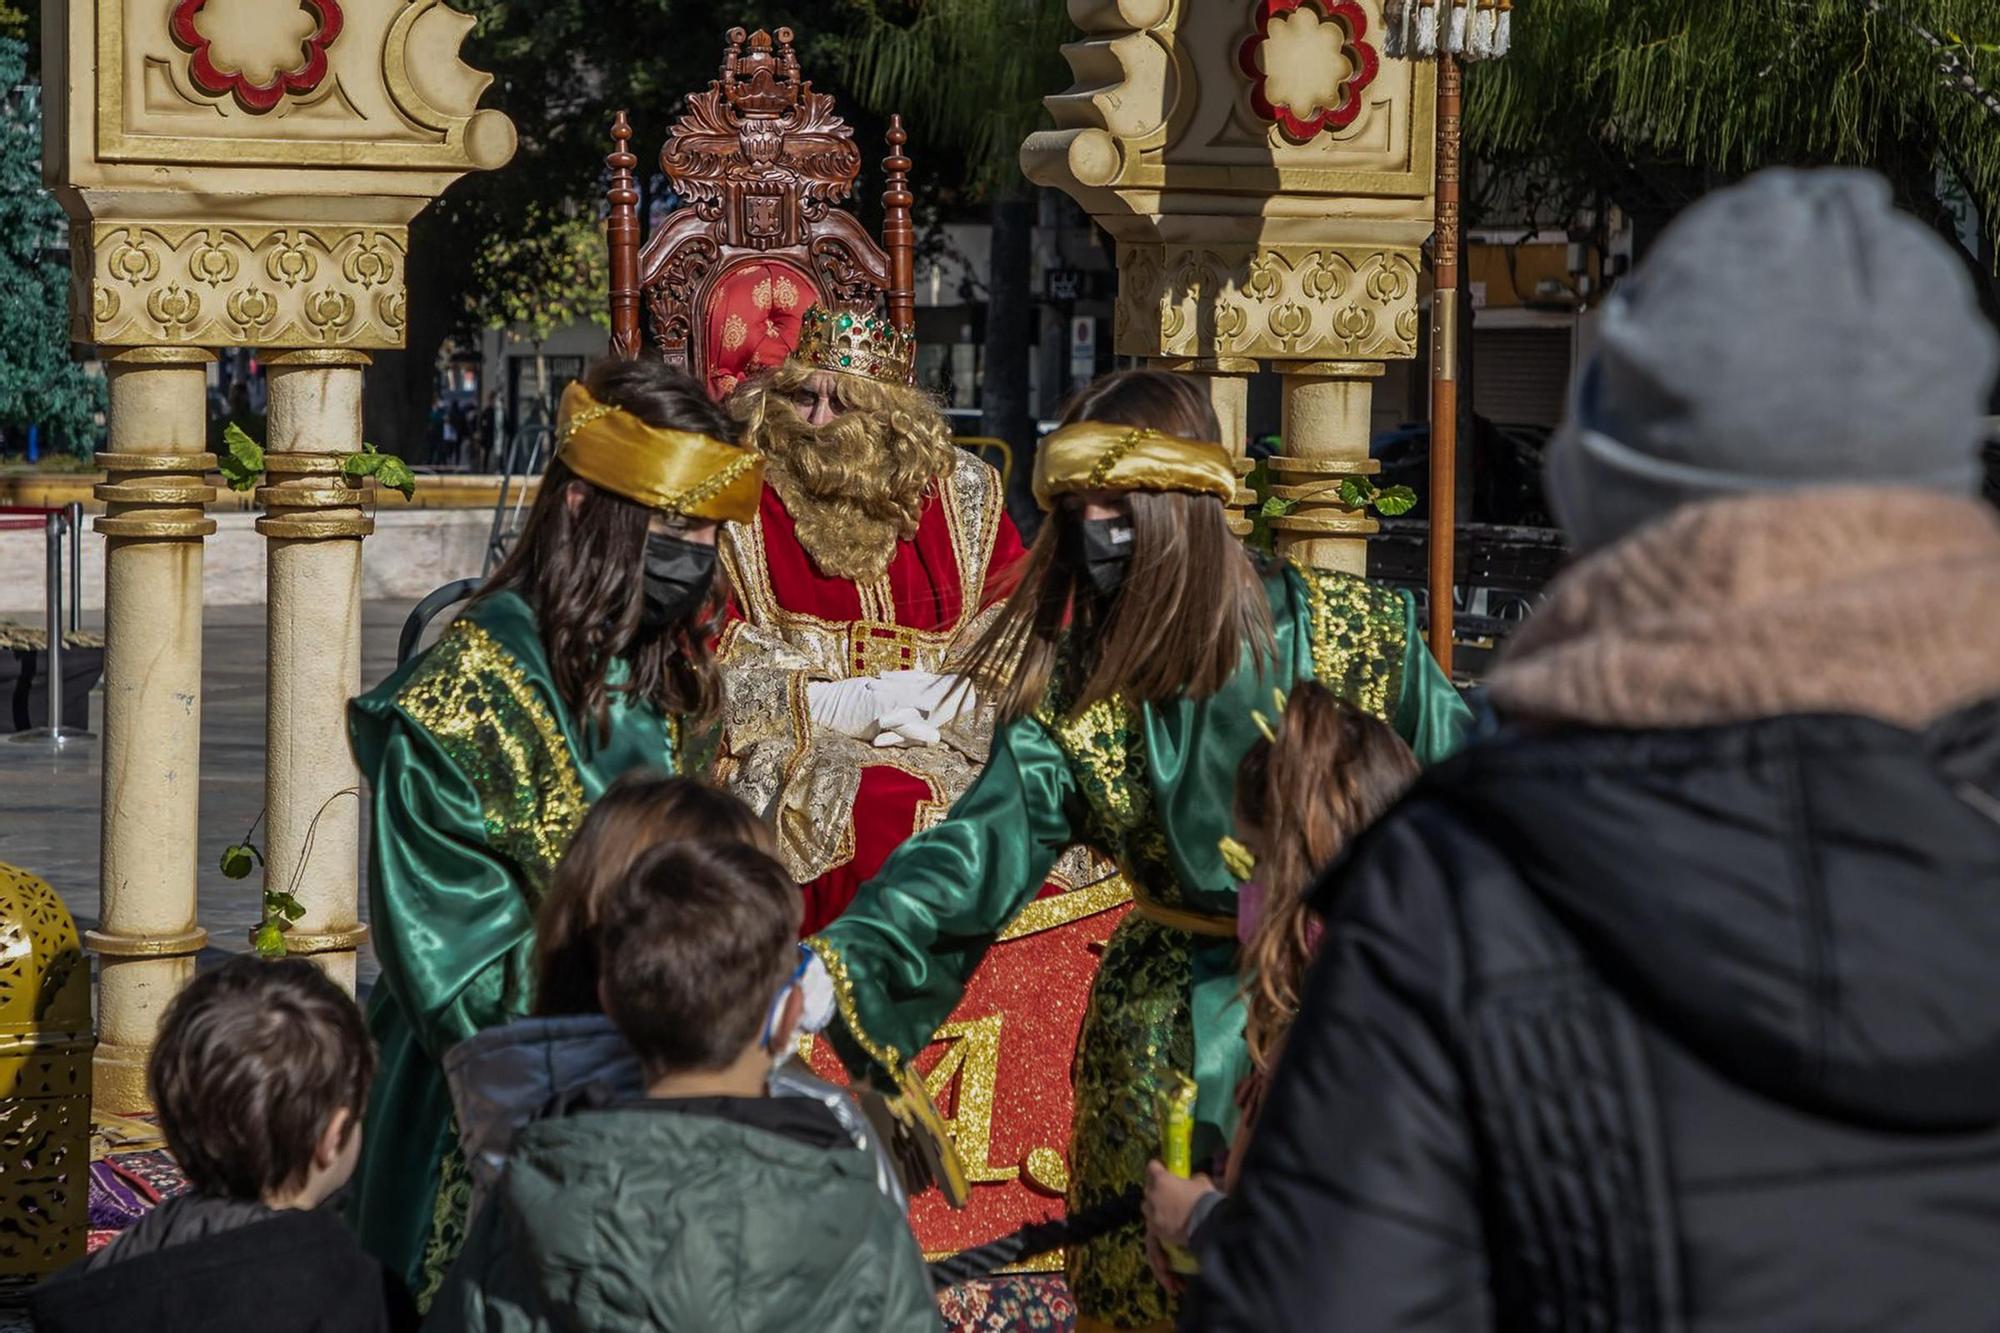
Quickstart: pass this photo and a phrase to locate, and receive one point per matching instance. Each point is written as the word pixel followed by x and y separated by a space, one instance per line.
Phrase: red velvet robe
pixel 1000 1068
pixel 923 590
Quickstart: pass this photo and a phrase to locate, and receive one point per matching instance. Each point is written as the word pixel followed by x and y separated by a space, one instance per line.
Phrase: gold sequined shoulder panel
pixel 973 505
pixel 1357 631
pixel 1106 750
pixel 472 697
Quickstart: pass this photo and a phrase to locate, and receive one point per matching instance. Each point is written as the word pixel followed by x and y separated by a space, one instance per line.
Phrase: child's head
pixel 707 938
pixel 261 1075
pixel 1333 770
pixel 640 812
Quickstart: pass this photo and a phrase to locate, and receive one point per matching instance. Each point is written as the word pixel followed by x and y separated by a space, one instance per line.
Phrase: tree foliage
pixel 1725 89
pixel 547 270
pixel 972 73
pixel 39 384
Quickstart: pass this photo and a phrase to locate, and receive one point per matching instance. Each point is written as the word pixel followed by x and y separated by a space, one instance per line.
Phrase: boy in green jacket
pixel 708 1204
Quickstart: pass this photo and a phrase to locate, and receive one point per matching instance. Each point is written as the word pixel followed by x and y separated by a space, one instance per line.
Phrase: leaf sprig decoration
pixel 241 464
pixel 387 469
pixel 1389 502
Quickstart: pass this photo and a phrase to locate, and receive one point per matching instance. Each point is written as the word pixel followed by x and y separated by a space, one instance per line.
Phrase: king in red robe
pixel 877 550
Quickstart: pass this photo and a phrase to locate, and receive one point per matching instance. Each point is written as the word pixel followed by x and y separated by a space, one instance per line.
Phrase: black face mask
pixel 1100 551
pixel 678 576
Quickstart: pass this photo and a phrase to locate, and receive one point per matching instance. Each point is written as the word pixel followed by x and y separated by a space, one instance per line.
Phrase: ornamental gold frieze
pixel 1286 302
pixel 269 286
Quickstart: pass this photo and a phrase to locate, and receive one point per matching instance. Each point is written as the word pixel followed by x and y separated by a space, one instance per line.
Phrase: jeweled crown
pixel 857 342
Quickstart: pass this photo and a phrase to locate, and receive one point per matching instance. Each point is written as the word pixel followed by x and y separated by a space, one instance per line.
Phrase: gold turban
pixel 675 470
pixel 1098 456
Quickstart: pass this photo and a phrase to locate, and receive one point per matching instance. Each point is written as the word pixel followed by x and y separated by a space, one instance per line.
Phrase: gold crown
pixel 857 342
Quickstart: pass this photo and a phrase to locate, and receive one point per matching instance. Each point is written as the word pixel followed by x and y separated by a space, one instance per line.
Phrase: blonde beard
pixel 858 485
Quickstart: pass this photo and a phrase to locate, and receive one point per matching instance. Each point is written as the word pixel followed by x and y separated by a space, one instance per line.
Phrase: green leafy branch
pixel 1389 502
pixel 242 465
pixel 282 909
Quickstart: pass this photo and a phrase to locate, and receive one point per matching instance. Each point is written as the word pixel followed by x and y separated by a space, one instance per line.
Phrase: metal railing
pixel 63 528
pixel 526 458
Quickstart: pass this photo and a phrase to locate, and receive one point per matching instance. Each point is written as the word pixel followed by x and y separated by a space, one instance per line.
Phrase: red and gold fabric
pixel 752 322
pixel 1000 1066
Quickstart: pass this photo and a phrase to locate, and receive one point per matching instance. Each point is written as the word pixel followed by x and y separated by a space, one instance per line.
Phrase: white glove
pixel 815 994
pixel 905 726
pixel 849 707
pixel 920 690
pixel 959 700
pixel 941 699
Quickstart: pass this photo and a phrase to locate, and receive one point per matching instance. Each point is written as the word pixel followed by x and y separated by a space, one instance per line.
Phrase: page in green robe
pixel 1153 787
pixel 478 778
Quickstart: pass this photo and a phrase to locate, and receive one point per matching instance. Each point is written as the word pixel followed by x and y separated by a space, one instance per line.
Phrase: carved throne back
pixel 761 162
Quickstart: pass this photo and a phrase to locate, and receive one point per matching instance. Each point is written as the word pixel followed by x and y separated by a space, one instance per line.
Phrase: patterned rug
pixel 130 1175
pixel 1006 1304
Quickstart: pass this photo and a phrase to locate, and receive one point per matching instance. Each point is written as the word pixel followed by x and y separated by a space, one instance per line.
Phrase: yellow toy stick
pixel 1176 1103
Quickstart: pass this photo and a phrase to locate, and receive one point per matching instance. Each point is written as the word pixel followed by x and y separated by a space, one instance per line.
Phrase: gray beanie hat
pixel 1794 330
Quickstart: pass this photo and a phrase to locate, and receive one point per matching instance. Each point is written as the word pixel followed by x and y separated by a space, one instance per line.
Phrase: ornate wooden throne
pixel 761 161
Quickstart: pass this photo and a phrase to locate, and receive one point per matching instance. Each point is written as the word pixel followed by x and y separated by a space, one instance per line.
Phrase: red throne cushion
pixel 753 321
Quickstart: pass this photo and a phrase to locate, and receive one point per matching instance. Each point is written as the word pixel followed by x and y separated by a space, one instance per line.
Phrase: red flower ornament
pixel 1362 58
pixel 258 97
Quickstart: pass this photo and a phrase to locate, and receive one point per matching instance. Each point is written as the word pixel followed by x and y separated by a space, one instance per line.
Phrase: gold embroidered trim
pixel 1357 636
pixel 1111 457
pixel 582 419
pixel 473 698
pixel 843 996
pixel 700 494
pixel 1062 909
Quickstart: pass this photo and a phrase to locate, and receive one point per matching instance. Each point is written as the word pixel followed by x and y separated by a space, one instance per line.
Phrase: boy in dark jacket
pixel 708 1203
pixel 1675 1005
pixel 260 1075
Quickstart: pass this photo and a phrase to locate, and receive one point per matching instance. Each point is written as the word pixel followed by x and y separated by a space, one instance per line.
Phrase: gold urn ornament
pixel 45 1046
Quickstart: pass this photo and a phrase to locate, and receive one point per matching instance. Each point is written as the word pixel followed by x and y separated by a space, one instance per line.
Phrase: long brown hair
pixel 1334 770
pixel 1193 601
pixel 641 811
pixel 583 570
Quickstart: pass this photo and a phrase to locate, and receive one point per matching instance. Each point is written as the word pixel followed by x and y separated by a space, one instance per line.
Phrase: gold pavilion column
pixel 315 523
pixel 153 526
pixel 239 175
pixel 1268 176
pixel 1328 415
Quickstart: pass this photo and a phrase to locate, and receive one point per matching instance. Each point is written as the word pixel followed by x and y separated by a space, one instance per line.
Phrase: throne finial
pixel 760 82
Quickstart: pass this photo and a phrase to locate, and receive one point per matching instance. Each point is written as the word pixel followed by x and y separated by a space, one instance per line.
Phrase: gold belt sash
pixel 875 647
pixel 1180 918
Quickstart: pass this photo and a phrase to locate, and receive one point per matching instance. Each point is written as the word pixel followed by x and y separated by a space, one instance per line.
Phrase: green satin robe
pixel 479 776
pixel 1153 787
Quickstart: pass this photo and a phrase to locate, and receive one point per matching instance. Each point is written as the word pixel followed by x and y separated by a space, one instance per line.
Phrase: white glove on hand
pixel 905 726
pixel 920 690
pixel 959 700
pixel 815 993
pixel 941 699
pixel 849 707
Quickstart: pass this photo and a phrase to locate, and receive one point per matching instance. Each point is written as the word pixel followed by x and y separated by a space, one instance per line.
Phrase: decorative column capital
pixel 1218 302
